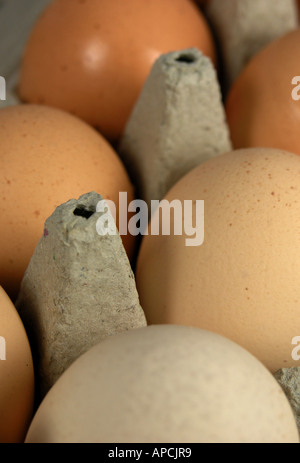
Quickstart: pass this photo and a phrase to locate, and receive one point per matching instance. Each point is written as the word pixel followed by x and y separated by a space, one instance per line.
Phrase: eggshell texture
pixel 48 157
pixel 92 57
pixel 260 107
pixel 165 384
pixel 243 281
pixel 16 375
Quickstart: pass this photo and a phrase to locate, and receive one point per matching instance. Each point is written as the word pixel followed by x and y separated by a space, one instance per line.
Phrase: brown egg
pixel 16 375
pixel 48 157
pixel 92 57
pixel 260 107
pixel 243 281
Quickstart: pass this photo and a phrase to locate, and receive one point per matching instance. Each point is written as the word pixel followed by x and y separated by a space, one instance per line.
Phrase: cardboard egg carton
pixel 196 125
pixel 243 27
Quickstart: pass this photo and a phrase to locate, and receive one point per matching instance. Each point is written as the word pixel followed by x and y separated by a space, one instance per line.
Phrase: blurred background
pixel 16 20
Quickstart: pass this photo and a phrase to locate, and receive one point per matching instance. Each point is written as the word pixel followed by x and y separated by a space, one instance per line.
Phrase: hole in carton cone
pixel 188 58
pixel 82 211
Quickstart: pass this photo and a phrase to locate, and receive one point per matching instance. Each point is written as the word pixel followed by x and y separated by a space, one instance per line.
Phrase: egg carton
pixel 202 128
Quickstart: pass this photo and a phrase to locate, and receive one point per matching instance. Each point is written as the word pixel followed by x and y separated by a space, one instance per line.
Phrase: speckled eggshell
pixel 260 108
pixel 165 384
pixel 243 281
pixel 48 157
pixel 92 57
pixel 16 375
